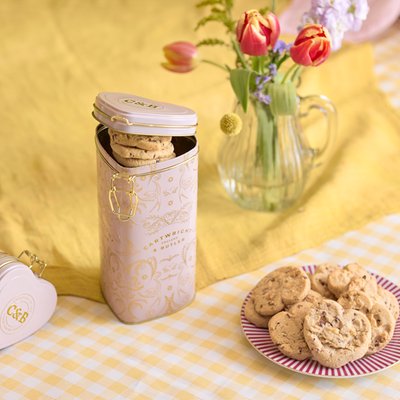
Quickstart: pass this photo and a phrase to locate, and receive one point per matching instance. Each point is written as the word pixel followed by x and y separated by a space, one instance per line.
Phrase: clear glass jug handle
pixel 327 108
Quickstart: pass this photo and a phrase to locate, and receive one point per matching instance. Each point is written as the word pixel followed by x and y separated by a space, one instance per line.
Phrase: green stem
pixel 288 72
pixel 257 64
pixel 239 53
pixel 282 60
pixel 262 65
pixel 296 74
pixel 224 67
pixel 273 6
pixel 265 132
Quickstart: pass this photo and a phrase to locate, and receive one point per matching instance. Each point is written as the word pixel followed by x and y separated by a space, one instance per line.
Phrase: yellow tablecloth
pixel 55 58
pixel 84 352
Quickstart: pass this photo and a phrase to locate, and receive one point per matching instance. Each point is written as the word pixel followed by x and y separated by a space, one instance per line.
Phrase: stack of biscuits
pixel 335 315
pixel 137 150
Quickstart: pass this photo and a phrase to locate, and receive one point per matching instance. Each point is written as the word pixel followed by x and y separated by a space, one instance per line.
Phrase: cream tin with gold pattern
pixel 147 218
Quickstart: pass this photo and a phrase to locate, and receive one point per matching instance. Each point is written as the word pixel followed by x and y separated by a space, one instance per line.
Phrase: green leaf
pixel 240 82
pixel 206 3
pixel 230 25
pixel 265 138
pixel 228 4
pixel 211 42
pixel 283 98
pixel 205 20
pixel 216 10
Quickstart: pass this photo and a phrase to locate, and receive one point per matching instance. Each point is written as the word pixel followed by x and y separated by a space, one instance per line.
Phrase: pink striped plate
pixel 260 339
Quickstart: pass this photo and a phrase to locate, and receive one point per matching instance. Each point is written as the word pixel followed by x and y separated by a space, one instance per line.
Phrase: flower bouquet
pixel 265 158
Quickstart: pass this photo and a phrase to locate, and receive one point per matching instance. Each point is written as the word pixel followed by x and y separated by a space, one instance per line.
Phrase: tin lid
pixel 138 115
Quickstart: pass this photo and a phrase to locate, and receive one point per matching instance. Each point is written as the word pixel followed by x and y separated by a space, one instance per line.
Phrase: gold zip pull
pixel 34 260
pixel 115 202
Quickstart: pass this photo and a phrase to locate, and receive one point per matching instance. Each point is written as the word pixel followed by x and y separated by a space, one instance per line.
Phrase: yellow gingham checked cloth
pixel 197 353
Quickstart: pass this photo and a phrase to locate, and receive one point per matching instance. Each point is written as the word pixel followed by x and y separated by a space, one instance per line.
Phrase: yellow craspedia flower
pixel 231 124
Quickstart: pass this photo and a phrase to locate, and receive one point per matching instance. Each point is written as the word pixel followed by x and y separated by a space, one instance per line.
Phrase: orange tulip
pixel 181 57
pixel 257 34
pixel 312 45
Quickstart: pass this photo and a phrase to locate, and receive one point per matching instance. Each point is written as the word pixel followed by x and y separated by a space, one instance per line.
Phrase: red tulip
pixel 312 45
pixel 181 57
pixel 257 34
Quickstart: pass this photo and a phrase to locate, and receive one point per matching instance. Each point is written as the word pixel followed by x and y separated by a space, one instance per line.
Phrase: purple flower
pixel 262 97
pixel 338 16
pixel 273 70
pixel 261 80
pixel 280 47
pixel 357 13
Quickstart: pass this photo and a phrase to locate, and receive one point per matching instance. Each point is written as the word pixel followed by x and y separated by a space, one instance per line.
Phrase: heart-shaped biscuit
pixel 336 336
pixel 26 303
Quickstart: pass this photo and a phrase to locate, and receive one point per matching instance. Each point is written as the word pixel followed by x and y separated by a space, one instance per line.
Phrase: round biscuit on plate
pixel 382 327
pixel 319 279
pixel 286 331
pixel 336 336
pixel 366 283
pixel 313 297
pixel 339 280
pixel 253 316
pixel 390 301
pixel 282 287
pixel 356 300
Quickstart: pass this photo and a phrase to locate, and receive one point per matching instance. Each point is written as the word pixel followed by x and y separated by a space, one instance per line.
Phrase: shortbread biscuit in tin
pixel 336 336
pixel 134 152
pixel 319 280
pixel 283 287
pixel 132 162
pixel 151 143
pixel 137 162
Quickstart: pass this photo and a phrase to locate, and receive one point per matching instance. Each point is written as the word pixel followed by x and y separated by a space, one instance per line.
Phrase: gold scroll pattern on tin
pixel 148 262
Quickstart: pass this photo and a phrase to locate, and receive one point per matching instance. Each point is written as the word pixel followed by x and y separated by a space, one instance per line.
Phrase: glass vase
pixel 266 166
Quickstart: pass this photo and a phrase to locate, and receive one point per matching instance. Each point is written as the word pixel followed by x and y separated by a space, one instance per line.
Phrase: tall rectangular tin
pixel 147 226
